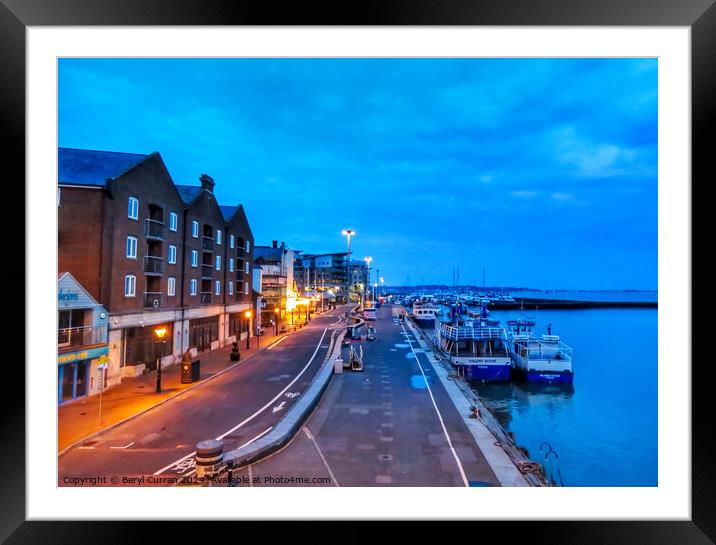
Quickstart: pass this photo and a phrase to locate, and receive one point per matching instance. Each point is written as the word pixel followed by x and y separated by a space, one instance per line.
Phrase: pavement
pixel 240 404
pixel 393 424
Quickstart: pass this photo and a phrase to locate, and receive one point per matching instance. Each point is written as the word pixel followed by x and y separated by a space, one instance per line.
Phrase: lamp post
pixel 159 333
pixel 367 260
pixel 277 311
pixel 349 233
pixel 248 327
pixel 381 286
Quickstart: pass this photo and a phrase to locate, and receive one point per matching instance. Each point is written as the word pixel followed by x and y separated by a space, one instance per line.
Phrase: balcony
pixel 154 229
pixel 152 300
pixel 207 271
pixel 153 265
pixel 206 297
pixel 207 244
pixel 74 337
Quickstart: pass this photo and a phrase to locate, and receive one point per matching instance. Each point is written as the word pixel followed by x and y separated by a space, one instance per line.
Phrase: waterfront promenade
pixel 392 424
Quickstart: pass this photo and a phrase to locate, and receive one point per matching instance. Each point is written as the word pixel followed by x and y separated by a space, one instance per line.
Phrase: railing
pixel 153 264
pixel 152 299
pixel 207 271
pixel 536 349
pixel 206 297
pixel 460 333
pixel 207 244
pixel 81 336
pixel 154 229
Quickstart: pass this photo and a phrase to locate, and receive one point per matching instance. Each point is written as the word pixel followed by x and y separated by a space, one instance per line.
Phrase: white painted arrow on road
pixel 279 407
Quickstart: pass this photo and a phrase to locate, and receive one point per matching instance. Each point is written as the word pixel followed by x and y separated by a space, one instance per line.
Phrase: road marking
pixel 86 448
pixel 259 436
pixel 440 417
pixel 275 343
pixel 251 477
pixel 125 446
pixel 291 395
pixel 278 407
pixel 308 433
pixel 249 418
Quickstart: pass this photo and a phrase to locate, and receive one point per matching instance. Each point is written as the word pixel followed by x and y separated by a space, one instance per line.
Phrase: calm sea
pixel 604 428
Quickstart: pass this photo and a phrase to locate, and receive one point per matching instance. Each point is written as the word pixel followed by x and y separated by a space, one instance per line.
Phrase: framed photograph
pixel 399 263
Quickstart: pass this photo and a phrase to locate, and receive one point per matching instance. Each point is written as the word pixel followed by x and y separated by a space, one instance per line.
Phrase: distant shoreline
pixel 533 303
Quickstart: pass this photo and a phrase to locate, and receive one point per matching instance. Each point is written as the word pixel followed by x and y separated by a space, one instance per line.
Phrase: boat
pixel 424 312
pixel 539 359
pixel 474 343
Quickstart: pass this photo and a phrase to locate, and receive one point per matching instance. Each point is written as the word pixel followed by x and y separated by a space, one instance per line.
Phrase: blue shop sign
pixel 88 354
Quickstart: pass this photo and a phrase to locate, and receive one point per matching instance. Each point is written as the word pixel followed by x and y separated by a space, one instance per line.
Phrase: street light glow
pixel 247 314
pixel 160 332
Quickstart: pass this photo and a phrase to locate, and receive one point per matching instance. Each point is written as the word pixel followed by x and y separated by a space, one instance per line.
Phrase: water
pixel 584 295
pixel 603 428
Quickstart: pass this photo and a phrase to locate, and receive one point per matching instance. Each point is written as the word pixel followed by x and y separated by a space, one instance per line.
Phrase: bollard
pixel 209 458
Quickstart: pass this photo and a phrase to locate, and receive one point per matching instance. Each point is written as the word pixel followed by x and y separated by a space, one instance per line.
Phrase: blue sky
pixel 542 170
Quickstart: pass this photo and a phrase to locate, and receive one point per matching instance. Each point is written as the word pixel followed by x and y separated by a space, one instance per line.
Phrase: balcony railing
pixel 71 337
pixel 152 299
pixel 153 264
pixel 207 271
pixel 207 244
pixel 206 297
pixel 154 229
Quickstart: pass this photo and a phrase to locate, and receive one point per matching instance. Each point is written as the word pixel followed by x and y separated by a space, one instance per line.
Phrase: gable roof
pixel 189 192
pixel 228 211
pixel 93 167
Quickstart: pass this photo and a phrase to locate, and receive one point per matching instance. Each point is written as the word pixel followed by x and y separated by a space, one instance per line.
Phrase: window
pixel 246 288
pixel 230 288
pixel 172 221
pixel 218 236
pixel 246 266
pixel 194 258
pixel 133 208
pixel 248 246
pixel 130 285
pixel 171 286
pixel 218 262
pixel 195 229
pixel 172 257
pixel 132 247
pixel 218 288
pixel 231 240
pixel 192 286
pixel 231 264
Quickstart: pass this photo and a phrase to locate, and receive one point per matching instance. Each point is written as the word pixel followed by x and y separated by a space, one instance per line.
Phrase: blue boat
pixel 474 343
pixel 539 359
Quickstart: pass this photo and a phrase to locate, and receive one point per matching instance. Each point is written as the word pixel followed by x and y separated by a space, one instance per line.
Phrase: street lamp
pixel 381 286
pixel 367 260
pixel 248 327
pixel 277 311
pixel 159 333
pixel 349 233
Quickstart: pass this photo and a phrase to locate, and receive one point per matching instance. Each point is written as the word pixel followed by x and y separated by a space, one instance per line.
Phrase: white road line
pixel 248 419
pixel 86 448
pixel 278 341
pixel 259 436
pixel 125 446
pixel 440 416
pixel 251 477
pixel 308 433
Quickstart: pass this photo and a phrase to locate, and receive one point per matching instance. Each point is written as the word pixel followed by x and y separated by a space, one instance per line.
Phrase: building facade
pixel 277 279
pixel 321 271
pixel 151 252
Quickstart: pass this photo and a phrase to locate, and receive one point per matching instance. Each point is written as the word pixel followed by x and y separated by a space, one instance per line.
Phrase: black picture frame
pixel 699 15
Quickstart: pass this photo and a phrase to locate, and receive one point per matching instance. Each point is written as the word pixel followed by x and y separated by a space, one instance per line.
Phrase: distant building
pixel 322 272
pixel 277 280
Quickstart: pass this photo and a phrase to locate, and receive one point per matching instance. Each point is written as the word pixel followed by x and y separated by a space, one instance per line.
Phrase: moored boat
pixel 539 359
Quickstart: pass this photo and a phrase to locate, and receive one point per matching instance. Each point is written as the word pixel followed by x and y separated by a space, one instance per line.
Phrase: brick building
pixel 149 251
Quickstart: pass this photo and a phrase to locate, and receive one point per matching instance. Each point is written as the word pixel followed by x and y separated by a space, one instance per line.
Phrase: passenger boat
pixel 539 359
pixel 424 312
pixel 474 343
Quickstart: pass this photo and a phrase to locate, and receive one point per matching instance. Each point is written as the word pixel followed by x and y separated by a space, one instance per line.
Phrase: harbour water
pixel 604 427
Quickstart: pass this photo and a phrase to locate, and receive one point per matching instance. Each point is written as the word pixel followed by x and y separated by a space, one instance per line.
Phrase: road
pixel 238 406
pixel 392 424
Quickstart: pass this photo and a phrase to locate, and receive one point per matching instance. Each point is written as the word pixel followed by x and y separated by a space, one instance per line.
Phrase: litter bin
pixel 190 371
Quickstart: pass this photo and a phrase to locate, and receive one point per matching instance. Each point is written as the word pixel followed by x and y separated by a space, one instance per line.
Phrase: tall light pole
pixel 381 285
pixel 349 233
pixel 367 260
pixel 248 327
pixel 159 340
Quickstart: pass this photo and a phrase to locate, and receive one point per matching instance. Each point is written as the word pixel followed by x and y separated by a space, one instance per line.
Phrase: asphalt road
pixel 238 407
pixel 392 424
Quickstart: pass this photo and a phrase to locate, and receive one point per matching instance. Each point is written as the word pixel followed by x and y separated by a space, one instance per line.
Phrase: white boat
pixel 424 312
pixel 474 343
pixel 539 359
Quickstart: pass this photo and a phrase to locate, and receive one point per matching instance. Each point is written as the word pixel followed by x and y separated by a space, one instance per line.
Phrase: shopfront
pixel 203 332
pixel 141 348
pixel 76 372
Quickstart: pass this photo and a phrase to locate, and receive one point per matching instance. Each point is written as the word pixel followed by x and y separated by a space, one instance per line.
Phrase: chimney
pixel 274 243
pixel 207 182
